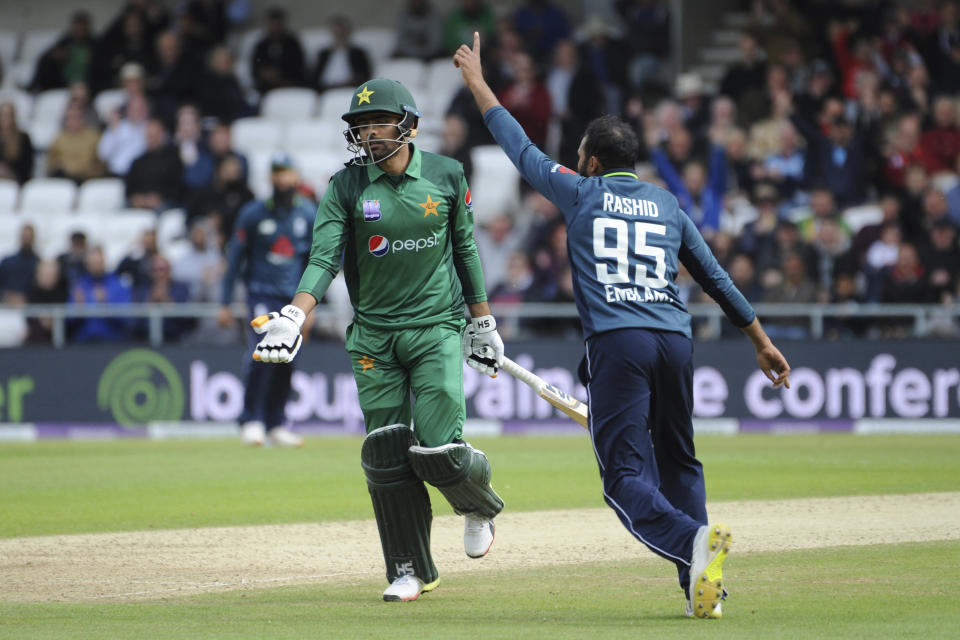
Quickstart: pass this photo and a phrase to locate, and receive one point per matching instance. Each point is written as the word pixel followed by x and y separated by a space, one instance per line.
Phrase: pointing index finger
pixel 476 42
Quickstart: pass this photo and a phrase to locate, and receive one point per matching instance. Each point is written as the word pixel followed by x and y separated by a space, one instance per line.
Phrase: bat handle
pixel 520 373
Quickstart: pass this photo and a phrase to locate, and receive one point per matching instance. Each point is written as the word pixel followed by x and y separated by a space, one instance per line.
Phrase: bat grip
pixel 521 374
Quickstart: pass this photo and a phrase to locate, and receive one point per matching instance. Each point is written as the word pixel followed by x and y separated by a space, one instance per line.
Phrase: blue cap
pixel 279 161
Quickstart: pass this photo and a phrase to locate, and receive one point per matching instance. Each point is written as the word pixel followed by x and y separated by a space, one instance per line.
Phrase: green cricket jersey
pixel 407 247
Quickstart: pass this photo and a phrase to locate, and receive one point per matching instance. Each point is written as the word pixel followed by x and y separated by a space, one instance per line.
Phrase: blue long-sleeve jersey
pixel 269 247
pixel 625 239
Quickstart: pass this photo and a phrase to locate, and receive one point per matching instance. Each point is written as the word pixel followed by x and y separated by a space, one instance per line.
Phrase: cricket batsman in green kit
pixel 400 220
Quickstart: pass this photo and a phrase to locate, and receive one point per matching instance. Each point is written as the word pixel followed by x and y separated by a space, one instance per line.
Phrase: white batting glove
pixel 282 340
pixel 481 345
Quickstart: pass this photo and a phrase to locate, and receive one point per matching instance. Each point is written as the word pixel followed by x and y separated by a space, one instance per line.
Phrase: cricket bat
pixel 560 399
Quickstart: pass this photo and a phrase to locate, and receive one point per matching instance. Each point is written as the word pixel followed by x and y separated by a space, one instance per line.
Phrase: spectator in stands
pixel 819 86
pixel 99 286
pixel 694 104
pixel 906 149
pixel 134 43
pixel 343 63
pixel 823 207
pixel 17 270
pixel 764 134
pixel 648 23
pixel 125 138
pixel 419 31
pixel 905 282
pixel 198 164
pixel 941 141
pixel 69 59
pixel 16 148
pixel 136 268
pixel 220 94
pixel 460 23
pixel 163 289
pixel 278 57
pixel 953 198
pixel 743 272
pixel 947 73
pixel 758 234
pixel 496 241
pixel 786 239
pixel 918 224
pixel 153 13
pixel 744 81
pixel 794 287
pixel 838 160
pixel 222 200
pixel 942 260
pixel 453 143
pixel 785 167
pixel 528 99
pixel 606 58
pixel 700 195
pixel 201 266
pixel 541 24
pixel 72 262
pixel 48 287
pixel 741 168
pixel 202 24
pixel 155 179
pixel 573 91
pixel 80 97
pixel 220 142
pixel 73 153
pixel 176 77
pixel 880 257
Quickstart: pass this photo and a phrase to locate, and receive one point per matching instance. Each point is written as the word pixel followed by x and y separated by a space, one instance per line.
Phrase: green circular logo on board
pixel 139 386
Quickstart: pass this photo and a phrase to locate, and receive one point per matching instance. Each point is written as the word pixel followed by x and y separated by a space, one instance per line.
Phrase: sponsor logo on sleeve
pixel 559 168
pixel 467 199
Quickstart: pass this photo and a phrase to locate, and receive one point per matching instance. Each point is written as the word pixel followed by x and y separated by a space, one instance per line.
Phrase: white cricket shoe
pixel 253 433
pixel 407 588
pixel 477 536
pixel 283 437
pixel 710 548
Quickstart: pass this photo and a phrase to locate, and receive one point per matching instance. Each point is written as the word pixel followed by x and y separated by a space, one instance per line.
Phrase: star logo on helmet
pixel 364 96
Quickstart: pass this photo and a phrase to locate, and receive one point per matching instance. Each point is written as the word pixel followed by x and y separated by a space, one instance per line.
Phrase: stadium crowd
pixel 822 167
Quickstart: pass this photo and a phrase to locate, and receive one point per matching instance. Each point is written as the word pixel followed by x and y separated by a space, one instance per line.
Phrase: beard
pixel 382 149
pixel 284 197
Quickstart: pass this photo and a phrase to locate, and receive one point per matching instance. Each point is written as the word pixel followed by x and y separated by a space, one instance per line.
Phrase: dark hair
pixel 612 141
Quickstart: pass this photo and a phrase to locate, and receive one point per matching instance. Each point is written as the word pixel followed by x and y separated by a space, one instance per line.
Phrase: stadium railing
pixel 920 320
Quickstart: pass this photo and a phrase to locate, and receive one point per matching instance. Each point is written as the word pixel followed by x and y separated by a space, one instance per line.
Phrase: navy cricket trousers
pixel 639 385
pixel 267 384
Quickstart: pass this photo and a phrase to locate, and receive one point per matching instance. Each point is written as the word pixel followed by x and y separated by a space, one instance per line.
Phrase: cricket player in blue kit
pixel 269 250
pixel 626 239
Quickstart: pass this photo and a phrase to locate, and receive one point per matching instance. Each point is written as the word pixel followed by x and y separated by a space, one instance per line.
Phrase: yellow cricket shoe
pixel 710 548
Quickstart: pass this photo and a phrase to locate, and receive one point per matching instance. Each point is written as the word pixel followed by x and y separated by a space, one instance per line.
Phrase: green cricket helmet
pixel 381 95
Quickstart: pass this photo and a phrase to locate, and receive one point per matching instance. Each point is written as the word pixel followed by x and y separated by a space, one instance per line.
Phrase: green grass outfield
pixel 905 590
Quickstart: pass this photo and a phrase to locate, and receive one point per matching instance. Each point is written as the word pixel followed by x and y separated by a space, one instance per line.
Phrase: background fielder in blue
pixel 626 239
pixel 268 250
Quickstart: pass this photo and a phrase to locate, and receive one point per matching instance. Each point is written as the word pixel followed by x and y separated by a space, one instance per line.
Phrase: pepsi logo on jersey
pixel 379 246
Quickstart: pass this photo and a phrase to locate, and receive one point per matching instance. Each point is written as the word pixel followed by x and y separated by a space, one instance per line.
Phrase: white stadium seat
pixel 8 47
pixel 258 165
pixel 22 103
pixel 314 135
pixel 107 102
pixel 36 42
pixel 410 72
pixel 53 229
pixel 171 228
pixel 379 43
pixel 48 194
pixel 292 103
pixel 251 135
pixel 333 103
pixel 9 190
pixel 495 181
pixel 50 106
pixel 100 195
pixel 122 235
pixel 317 167
pixel 9 233
pixel 42 133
